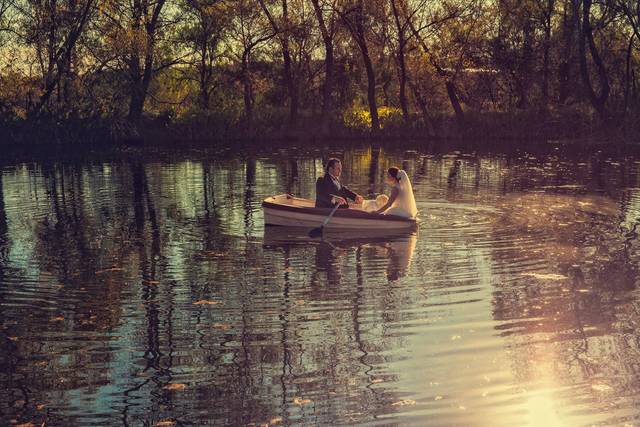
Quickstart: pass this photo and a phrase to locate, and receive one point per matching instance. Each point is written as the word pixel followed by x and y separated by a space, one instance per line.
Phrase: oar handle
pixel 326 221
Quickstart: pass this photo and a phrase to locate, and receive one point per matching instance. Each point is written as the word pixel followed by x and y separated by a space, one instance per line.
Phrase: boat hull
pixel 293 212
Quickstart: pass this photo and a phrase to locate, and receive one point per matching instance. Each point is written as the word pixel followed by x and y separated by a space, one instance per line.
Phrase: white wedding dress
pixel 405 204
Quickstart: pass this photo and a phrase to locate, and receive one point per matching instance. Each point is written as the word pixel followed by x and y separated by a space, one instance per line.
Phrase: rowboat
pixel 292 236
pixel 287 210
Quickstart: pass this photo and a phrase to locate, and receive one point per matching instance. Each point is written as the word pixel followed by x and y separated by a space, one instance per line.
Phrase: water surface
pixel 145 290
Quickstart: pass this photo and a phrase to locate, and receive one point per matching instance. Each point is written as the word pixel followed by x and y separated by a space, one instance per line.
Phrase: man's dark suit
pixel 326 187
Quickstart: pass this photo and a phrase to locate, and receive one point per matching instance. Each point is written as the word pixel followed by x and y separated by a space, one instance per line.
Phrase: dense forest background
pixel 246 68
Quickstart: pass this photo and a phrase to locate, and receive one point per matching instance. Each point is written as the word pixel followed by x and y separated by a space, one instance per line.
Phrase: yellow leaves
pixel 165 423
pixel 14 339
pixel 25 425
pixel 300 401
pixel 40 407
pixel 174 387
pixel 300 302
pixel 56 319
pixel 206 302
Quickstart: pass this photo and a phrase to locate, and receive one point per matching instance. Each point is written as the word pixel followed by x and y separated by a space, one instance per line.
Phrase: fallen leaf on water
pixel 300 302
pixel 222 326
pixel 25 425
pixel 206 302
pixel 404 402
pixel 174 387
pixel 165 423
pixel 455 337
pixel 437 398
pixel 376 381
pixel 13 338
pixel 276 420
pixel 542 276
pixel 56 319
pixel 601 387
pixel 40 407
pixel 300 401
pixel 107 270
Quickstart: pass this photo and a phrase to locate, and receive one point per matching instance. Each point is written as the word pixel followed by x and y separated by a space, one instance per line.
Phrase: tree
pixel 282 28
pixel 206 22
pixel 355 18
pixel 325 17
pixel 133 32
pixel 53 29
pixel 249 33
pixel 598 100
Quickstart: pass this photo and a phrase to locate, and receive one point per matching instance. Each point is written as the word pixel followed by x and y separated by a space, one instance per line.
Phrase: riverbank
pixel 559 127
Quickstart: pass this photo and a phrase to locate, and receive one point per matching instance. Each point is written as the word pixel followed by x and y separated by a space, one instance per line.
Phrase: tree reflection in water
pixel 517 294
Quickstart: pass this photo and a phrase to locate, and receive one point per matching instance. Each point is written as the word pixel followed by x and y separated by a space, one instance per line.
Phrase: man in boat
pixel 329 190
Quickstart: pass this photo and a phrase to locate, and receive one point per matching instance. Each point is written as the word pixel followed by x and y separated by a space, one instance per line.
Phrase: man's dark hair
pixel 332 162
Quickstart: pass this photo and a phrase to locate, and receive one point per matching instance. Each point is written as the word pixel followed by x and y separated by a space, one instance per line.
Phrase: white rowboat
pixel 286 210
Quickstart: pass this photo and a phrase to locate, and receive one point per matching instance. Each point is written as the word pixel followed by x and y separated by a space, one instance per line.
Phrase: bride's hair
pixel 394 171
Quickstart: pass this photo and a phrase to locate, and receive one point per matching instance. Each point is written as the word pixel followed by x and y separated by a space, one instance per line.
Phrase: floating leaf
pixel 601 387
pixel 13 338
pixel 404 402
pixel 108 270
pixel 40 407
pixel 223 326
pixel 437 398
pixel 300 302
pixel 206 302
pixel 174 387
pixel 542 276
pixel 165 423
pixel 300 401
pixel 25 425
pixel 56 319
pixel 276 420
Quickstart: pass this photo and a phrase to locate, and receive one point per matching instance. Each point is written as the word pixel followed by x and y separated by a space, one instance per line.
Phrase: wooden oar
pixel 317 232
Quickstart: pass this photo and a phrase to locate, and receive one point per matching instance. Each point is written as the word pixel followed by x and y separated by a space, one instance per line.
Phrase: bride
pixel 401 202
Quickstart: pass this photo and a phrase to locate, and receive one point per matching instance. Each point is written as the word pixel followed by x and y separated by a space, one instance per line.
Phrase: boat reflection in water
pixel 394 246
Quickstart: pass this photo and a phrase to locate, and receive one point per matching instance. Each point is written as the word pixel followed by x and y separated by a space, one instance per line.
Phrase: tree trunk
pixel 402 69
pixel 3 216
pixel 422 105
pixel 545 59
pixel 356 27
pixel 451 88
pixel 141 75
pixel 287 72
pixel 455 103
pixel 327 88
pixel 248 93
pixel 565 69
pixel 597 100
pixel 371 87
pixel 524 75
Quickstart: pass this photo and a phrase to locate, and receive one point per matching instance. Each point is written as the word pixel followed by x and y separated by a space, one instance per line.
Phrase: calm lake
pixel 143 289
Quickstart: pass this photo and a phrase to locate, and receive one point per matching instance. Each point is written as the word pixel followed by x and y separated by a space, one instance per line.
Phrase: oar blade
pixel 316 232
